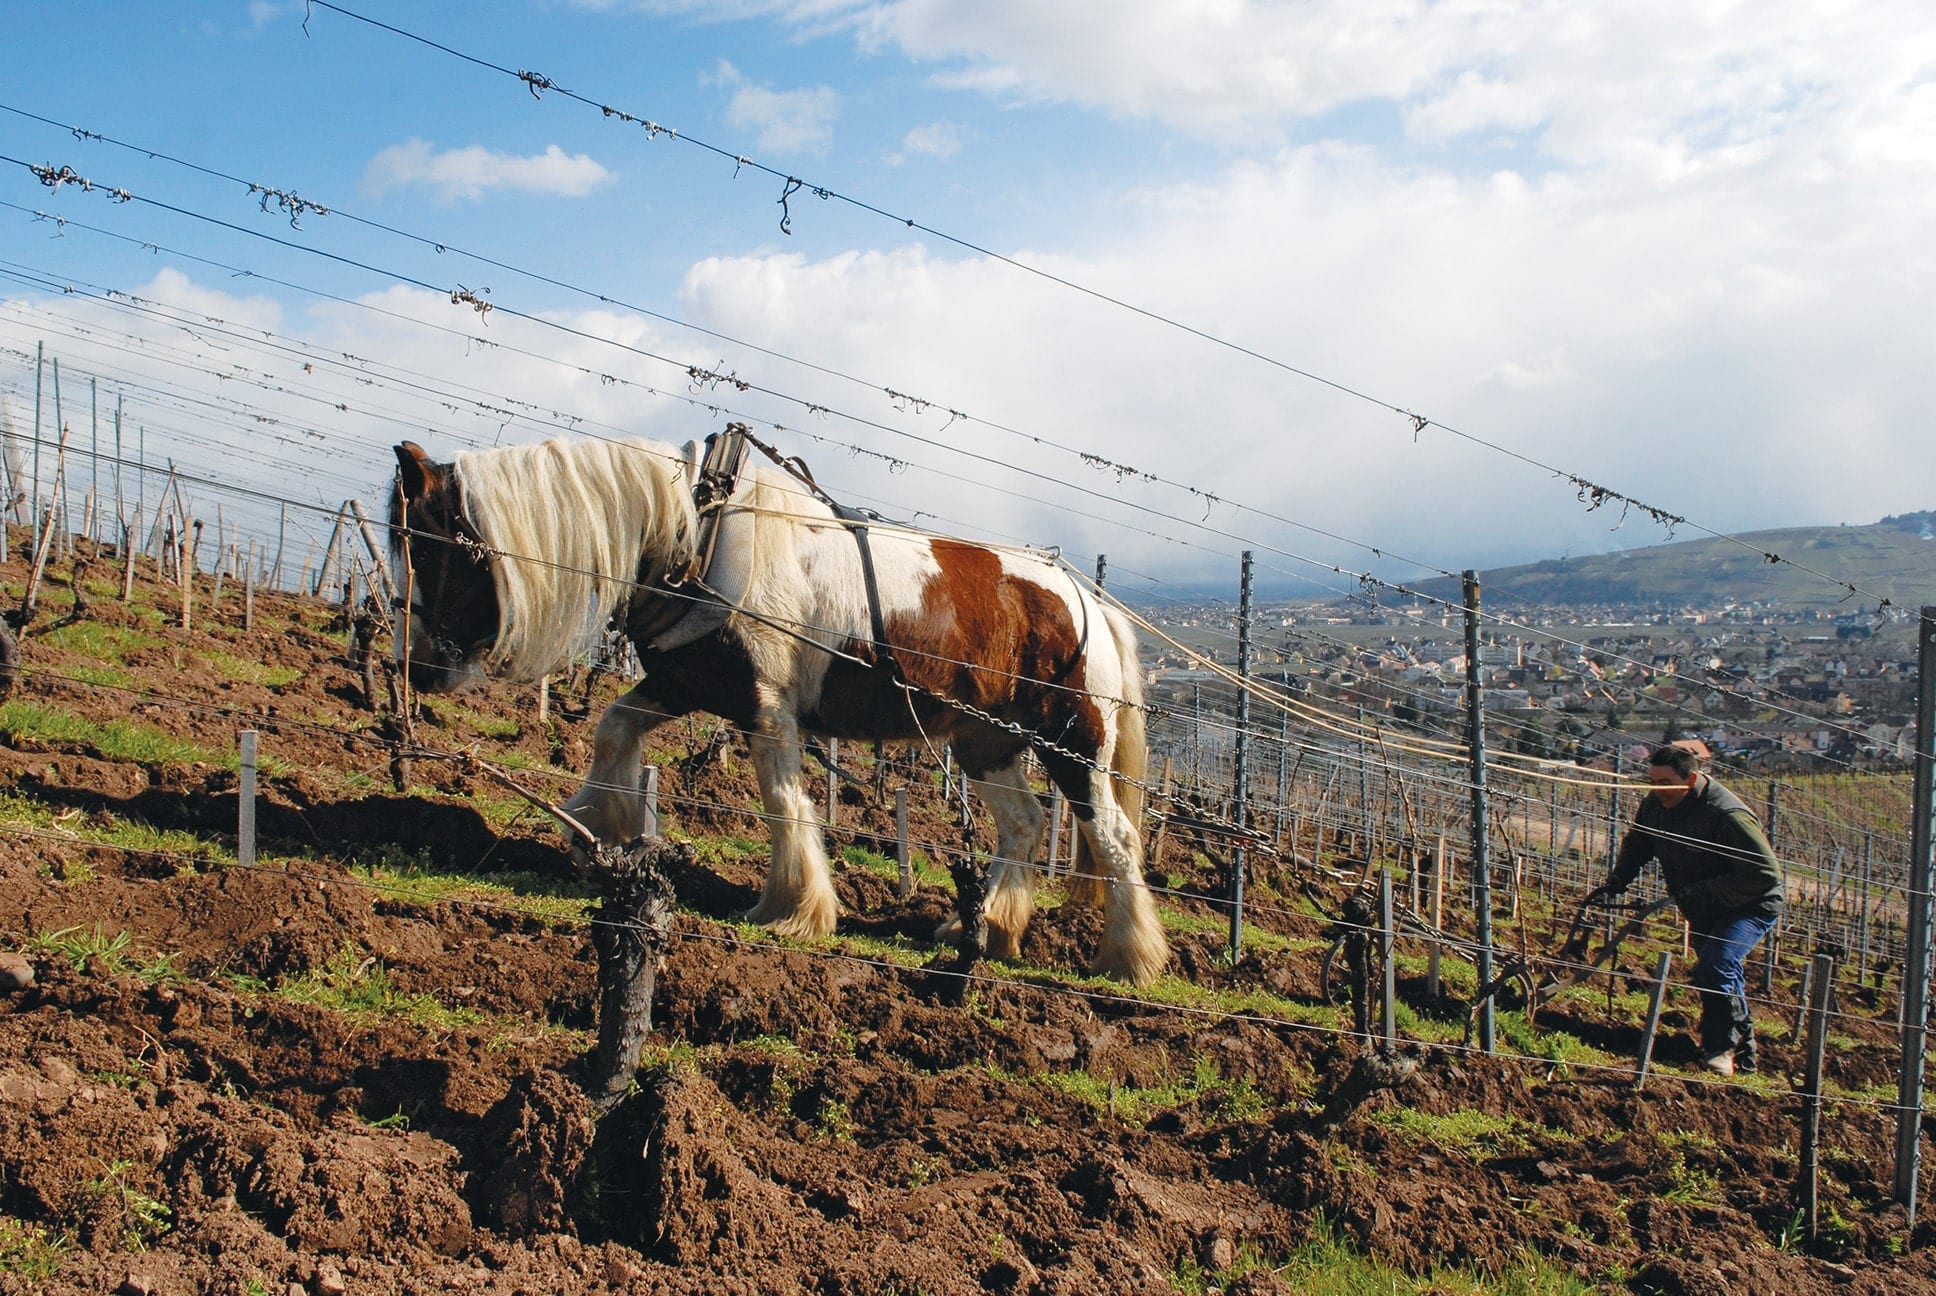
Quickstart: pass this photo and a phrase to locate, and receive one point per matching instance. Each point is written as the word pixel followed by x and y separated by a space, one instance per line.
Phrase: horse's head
pixel 445 569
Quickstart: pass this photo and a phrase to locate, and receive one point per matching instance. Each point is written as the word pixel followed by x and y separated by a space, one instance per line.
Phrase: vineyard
pixel 354 1064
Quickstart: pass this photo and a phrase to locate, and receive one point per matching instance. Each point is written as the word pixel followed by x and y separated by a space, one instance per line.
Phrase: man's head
pixel 1673 771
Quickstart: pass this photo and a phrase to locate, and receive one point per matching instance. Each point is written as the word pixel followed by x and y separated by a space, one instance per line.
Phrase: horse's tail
pixel 1127 760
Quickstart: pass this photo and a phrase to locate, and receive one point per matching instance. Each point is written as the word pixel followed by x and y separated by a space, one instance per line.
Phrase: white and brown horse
pixel 802 621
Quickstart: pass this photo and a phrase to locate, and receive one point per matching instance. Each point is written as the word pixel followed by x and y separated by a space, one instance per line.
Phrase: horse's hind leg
pixel 1011 877
pixel 799 896
pixel 1134 948
pixel 611 804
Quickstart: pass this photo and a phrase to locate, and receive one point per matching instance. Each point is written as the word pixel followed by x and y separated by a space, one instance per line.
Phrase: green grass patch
pixel 358 985
pixel 143 1218
pixel 729 849
pixel 115 740
pixel 245 671
pixel 1694 1185
pixel 897 950
pixel 453 713
pixel 29 1252
pixel 96 639
pixel 1202 924
pixel 104 829
pixel 1471 1132
pixel 114 950
pixel 926 871
pixel 411 878
pixel 1228 1098
pixel 103 676
pixel 1327 1264
pixel 1523 1037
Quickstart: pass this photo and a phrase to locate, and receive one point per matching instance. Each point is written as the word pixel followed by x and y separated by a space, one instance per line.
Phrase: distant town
pixel 1758 683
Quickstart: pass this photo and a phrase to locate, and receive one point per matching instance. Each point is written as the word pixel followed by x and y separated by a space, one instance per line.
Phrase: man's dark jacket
pixel 1713 856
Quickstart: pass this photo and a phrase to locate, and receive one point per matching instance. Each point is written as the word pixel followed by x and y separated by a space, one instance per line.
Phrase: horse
pixel 749 594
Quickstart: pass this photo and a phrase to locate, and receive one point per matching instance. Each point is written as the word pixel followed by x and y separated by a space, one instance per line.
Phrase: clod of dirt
pixel 529 1152
pixel 670 1164
pixel 16 973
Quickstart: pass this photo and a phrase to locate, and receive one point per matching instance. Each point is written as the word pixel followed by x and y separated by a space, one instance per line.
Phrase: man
pixel 1722 873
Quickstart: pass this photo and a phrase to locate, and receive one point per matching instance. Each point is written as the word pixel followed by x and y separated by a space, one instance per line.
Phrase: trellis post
pixel 1772 945
pixel 1240 790
pixel 902 857
pixel 1387 951
pixel 1915 963
pixel 1653 1018
pixel 1823 974
pixel 245 803
pixel 1476 738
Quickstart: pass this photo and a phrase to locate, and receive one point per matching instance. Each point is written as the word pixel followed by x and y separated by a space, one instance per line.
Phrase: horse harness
pixel 713 486
pixel 718 477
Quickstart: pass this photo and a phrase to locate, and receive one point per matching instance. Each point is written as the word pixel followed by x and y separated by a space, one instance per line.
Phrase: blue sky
pixel 1677 250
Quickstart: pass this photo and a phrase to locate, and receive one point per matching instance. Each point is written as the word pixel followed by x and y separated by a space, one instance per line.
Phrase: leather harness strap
pixel 718 475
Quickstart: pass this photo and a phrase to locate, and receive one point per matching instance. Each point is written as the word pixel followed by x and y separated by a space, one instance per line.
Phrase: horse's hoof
pixel 1002 944
pixel 1136 964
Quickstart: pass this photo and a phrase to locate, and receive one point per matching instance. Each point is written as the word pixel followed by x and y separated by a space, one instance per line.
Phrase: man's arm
pixel 1636 848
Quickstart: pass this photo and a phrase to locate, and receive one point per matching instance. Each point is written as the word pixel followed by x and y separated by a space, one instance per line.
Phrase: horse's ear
pixel 416 473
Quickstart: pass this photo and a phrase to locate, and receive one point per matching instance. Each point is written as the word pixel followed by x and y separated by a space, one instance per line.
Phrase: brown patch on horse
pixel 997 642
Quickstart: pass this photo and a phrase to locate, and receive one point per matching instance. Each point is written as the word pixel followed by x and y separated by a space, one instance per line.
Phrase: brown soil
pixel 818 1120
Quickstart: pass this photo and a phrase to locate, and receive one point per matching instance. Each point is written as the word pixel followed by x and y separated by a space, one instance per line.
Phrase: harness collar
pixel 712 486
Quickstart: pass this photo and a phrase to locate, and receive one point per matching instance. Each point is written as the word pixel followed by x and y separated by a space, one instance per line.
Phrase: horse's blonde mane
pixel 569 523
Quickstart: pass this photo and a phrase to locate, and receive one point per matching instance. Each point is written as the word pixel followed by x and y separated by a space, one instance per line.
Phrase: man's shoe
pixel 1721 1063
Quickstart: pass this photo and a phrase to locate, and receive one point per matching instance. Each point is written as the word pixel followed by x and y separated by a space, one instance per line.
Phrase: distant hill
pixel 1894 558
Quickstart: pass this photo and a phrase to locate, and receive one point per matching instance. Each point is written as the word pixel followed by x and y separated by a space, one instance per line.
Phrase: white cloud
pixel 472 172
pixel 936 139
pixel 175 289
pixel 784 121
pixel 1686 349
pixel 1641 84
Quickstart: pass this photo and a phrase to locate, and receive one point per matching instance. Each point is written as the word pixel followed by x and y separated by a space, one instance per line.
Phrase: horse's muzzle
pixel 434 677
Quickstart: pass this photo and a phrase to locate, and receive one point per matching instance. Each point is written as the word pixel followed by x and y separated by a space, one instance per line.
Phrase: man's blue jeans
pixel 1721 952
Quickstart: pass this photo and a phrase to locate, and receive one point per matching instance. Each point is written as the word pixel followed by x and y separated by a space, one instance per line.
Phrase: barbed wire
pixel 706 376
pixel 1593 494
pixel 1039 985
pixel 1180 520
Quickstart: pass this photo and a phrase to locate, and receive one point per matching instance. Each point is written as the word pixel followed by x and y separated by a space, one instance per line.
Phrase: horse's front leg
pixel 611 804
pixel 1011 875
pixel 799 897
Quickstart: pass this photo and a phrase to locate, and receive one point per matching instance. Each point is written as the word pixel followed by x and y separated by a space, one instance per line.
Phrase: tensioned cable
pixel 1040 985
pixel 390 748
pixel 295 207
pixel 1363 578
pixel 1595 495
pixel 282 242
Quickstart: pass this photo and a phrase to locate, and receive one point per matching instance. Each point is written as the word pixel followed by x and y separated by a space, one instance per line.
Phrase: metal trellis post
pixel 1476 735
pixel 1240 789
pixel 245 810
pixel 1915 963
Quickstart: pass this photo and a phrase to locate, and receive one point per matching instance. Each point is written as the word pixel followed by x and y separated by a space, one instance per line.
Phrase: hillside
pixel 1894 558
pixel 352 1066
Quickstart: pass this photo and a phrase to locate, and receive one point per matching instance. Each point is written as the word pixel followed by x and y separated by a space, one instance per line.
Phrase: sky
pixel 1162 279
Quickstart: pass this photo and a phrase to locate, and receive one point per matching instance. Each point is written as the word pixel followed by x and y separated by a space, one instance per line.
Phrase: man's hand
pixel 1604 894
